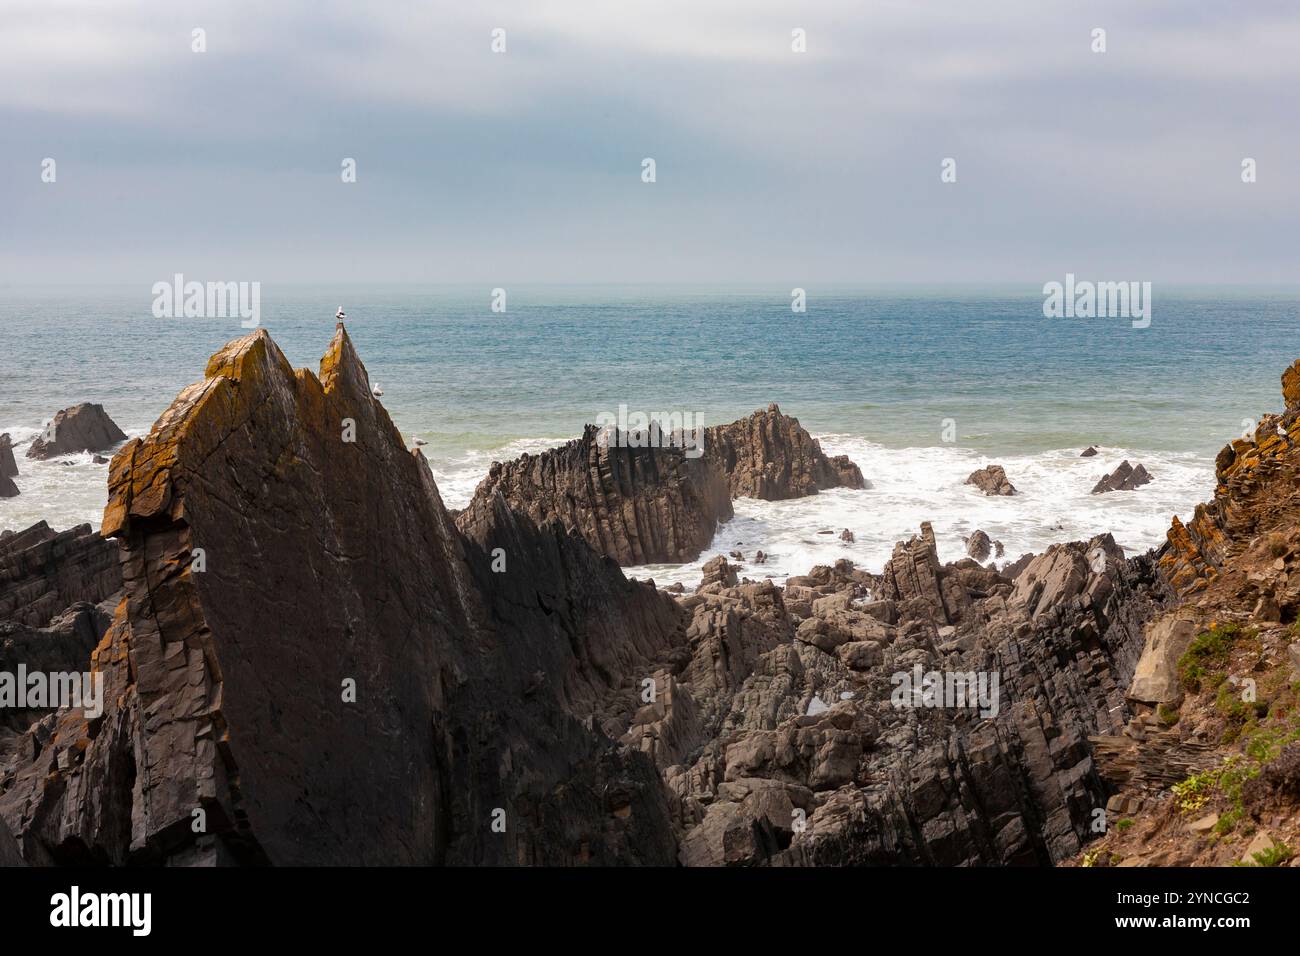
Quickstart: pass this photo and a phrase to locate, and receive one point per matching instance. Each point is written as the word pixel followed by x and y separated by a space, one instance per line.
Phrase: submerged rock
pixel 84 427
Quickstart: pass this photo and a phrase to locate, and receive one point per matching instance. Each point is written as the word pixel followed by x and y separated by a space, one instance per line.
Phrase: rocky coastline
pixel 309 660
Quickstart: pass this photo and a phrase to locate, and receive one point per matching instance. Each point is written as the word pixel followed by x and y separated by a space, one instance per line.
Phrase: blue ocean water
pixel 878 372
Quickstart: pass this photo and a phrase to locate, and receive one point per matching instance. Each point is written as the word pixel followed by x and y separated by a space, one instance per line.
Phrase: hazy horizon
pixel 772 166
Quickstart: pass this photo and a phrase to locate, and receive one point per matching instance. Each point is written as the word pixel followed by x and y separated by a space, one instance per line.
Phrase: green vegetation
pixel 1207 657
pixel 1123 825
pixel 1275 855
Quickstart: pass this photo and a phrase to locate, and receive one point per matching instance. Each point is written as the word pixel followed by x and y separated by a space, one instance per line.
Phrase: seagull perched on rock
pixel 340 314
pixel 418 441
pixel 377 391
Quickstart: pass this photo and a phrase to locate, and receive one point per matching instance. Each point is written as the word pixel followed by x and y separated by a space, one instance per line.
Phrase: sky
pixel 772 166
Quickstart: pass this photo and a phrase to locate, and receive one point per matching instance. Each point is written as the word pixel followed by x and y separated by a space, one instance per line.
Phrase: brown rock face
pixel 312 655
pixel 1123 478
pixel 643 505
pixel 992 481
pixel 978 546
pixel 771 457
pixel 84 427
pixel 7 487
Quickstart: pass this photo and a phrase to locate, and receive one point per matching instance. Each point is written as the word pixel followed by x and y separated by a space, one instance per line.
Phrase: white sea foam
pixel 1054 503
pixel 64 491
pixel 908 486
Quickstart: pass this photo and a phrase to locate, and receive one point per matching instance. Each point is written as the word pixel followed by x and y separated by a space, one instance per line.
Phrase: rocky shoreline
pixel 308 659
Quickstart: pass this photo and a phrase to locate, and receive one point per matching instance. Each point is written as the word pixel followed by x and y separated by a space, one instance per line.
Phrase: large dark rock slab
pixel 8 467
pixel 349 679
pixel 84 427
pixel 640 503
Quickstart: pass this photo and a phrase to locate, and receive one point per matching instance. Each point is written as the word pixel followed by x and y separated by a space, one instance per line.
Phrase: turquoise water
pixel 889 365
pixel 876 371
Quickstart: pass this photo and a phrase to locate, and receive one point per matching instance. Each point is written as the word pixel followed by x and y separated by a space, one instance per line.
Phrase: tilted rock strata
pixel 42 572
pixel 1124 478
pixel 329 562
pixel 643 505
pixel 639 505
pixel 813 763
pixel 771 457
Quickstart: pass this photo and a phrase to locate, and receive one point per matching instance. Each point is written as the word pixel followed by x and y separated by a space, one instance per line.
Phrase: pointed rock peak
pixel 342 364
pixel 235 357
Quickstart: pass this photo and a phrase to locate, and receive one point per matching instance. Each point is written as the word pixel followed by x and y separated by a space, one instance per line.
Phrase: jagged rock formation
pixel 641 504
pixel 1088 452
pixel 64 646
pixel 7 487
pixel 502 663
pixel 1123 478
pixel 991 480
pixel 347 680
pixel 84 427
pixel 8 467
pixel 812 763
pixel 1214 694
pixel 43 572
pixel 771 457
pixel 978 546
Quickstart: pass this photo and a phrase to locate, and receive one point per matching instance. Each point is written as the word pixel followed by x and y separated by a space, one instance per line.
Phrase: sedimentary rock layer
pixel 347 679
pixel 42 572
pixel 641 504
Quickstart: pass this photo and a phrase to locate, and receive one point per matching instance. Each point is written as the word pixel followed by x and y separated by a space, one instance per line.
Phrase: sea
pixel 919 385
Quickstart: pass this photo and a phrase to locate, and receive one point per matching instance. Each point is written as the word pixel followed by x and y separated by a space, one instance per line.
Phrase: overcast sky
pixel 772 166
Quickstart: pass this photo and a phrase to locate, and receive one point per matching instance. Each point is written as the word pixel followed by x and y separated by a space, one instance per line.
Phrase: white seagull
pixel 340 314
pixel 418 441
pixel 377 391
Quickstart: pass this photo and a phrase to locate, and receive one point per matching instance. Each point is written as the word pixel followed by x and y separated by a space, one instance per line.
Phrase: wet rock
pixel 770 456
pixel 8 467
pixel 991 480
pixel 978 546
pixel 1123 478
pixel 7 487
pixel 84 427
pixel 1088 452
pixel 847 536
pixel 639 505
pixel 642 505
